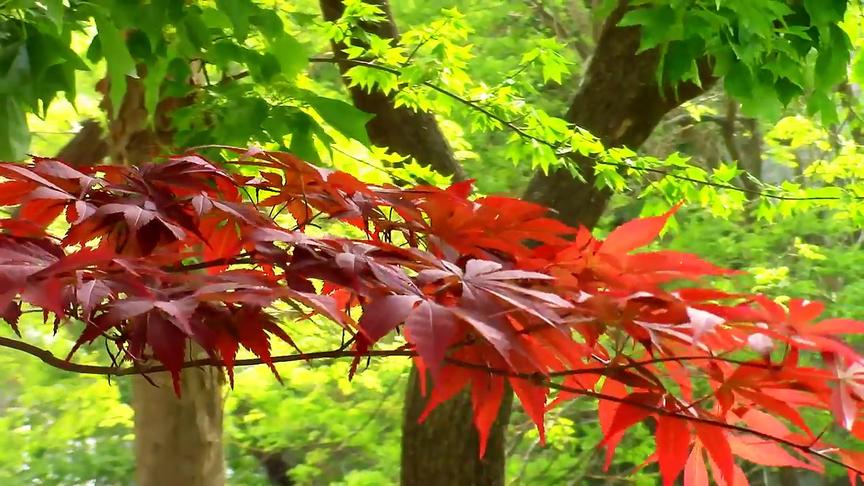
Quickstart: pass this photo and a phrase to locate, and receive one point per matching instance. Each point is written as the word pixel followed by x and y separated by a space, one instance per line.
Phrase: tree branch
pixel 807 449
pixel 546 381
pixel 564 151
pixel 48 358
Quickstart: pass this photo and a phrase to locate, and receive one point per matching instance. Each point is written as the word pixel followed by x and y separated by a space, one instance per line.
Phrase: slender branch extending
pixel 546 381
pixel 48 358
pixel 559 148
pixel 805 448
pixel 637 364
pixel 235 260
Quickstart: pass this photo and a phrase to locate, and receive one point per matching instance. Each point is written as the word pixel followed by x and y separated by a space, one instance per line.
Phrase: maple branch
pixel 637 364
pixel 807 449
pixel 48 358
pixel 562 150
pixel 234 260
pixel 543 380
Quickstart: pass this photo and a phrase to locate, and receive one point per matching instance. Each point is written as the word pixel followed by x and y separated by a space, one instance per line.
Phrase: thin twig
pixel 558 148
pixel 48 358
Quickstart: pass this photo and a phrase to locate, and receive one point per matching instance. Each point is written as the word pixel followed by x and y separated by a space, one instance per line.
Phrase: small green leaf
pixel 857 74
pixel 658 24
pixel 268 22
pixel 15 60
pixel 239 12
pixel 14 134
pixel 172 10
pixel 302 143
pixel 94 51
pixel 738 80
pixel 762 101
pixel 822 104
pixel 139 45
pixel 223 53
pixel 342 116
pixel 787 90
pixel 825 12
pixel 832 60
pixel 679 62
pixel 55 11
pixel 292 55
pixel 263 66
pixel 242 120
pixel 120 63
pixel 156 72
pixel 196 31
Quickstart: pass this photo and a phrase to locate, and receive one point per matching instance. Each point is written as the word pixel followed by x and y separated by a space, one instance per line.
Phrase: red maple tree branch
pixel 47 357
pixel 50 359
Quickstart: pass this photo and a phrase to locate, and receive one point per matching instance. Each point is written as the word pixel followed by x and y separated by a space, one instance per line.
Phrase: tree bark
pixel 618 101
pixel 444 450
pixel 178 441
pixel 276 467
pixel 87 147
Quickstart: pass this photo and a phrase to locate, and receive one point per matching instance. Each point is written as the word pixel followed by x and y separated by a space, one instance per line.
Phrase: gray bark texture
pixel 619 102
pixel 401 130
pixel 178 441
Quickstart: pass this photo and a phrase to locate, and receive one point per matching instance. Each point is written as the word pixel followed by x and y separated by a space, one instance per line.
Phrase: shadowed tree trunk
pixel 444 449
pixel 178 441
pixel 620 102
pixel 744 149
pixel 87 147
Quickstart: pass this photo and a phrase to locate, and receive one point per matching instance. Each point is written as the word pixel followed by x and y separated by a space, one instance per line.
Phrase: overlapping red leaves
pixel 488 293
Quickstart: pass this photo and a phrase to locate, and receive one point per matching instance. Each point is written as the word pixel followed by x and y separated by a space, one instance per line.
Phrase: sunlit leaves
pixel 762 61
pixel 342 116
pixel 14 133
pixel 548 55
pixel 117 57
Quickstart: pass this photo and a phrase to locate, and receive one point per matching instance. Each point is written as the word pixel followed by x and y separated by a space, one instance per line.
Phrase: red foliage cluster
pixel 487 292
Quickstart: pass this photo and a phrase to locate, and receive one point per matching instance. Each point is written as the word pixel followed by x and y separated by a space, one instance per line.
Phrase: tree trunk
pixel 618 101
pixel 444 450
pixel 87 147
pixel 178 441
